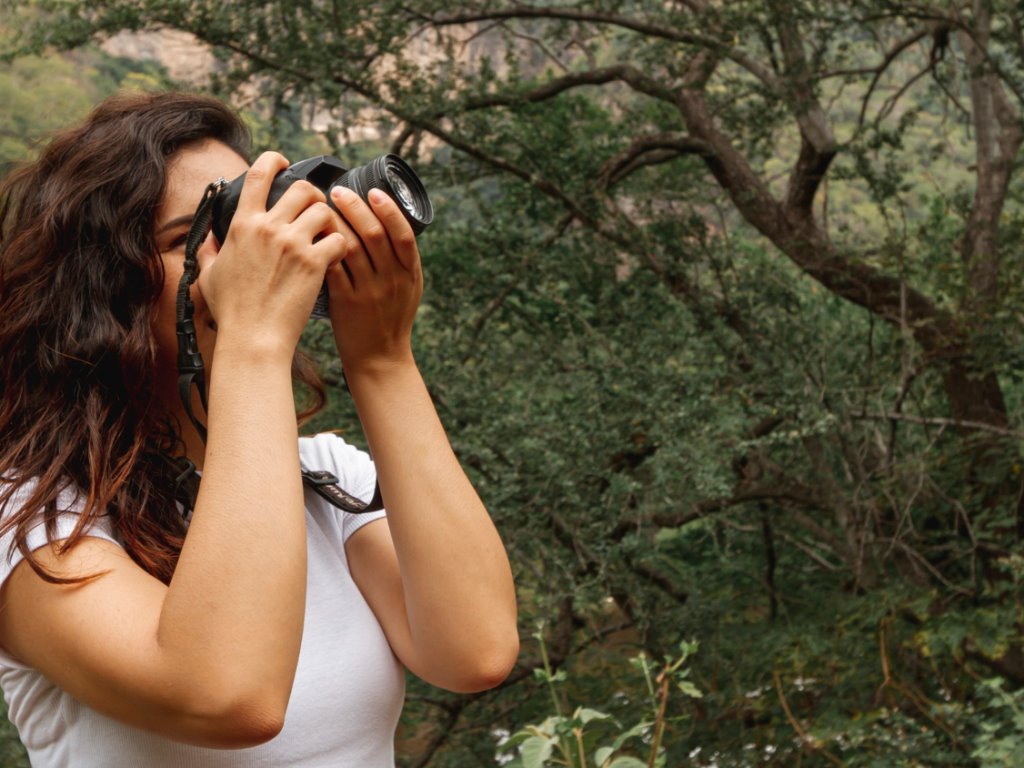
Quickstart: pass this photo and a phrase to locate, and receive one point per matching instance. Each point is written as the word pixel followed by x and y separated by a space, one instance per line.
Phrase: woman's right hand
pixel 263 280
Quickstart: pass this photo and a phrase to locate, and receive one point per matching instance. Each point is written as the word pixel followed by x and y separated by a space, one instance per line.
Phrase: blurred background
pixel 723 316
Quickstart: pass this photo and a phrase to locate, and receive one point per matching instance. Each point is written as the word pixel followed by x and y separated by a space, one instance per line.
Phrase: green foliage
pixel 42 94
pixel 1000 741
pixel 12 753
pixel 590 737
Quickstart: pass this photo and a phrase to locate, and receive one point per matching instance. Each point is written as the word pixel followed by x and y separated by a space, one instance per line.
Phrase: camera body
pixel 388 173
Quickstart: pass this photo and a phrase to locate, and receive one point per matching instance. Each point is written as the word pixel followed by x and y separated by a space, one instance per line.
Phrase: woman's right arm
pixel 210 658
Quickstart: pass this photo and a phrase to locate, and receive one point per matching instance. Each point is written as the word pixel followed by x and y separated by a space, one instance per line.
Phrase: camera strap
pixel 191 374
pixel 325 484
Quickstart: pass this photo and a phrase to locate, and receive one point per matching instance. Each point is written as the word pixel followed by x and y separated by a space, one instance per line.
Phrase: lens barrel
pixel 393 175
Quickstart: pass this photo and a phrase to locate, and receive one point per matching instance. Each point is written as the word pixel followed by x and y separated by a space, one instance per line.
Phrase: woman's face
pixel 188 174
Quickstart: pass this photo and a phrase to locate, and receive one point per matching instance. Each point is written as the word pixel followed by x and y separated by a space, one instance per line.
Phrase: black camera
pixel 388 173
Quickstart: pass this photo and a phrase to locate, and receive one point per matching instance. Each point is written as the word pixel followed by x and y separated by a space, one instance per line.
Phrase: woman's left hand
pixel 375 290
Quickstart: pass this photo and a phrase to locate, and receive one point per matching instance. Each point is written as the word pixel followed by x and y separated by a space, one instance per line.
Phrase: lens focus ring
pixel 392 175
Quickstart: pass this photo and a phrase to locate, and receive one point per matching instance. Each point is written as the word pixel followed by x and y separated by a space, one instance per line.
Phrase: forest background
pixel 724 317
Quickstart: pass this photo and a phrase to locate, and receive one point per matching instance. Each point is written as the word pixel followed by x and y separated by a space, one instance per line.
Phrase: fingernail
pixel 376 196
pixel 342 192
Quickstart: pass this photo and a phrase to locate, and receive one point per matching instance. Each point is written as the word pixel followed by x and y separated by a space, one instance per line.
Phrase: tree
pixel 723 316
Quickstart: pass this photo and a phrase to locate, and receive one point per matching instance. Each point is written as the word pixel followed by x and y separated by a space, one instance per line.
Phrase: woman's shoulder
pixel 25 499
pixel 330 451
pixel 28 521
pixel 354 470
pixel 23 509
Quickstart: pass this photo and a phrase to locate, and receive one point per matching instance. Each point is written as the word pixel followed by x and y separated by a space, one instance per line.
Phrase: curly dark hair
pixel 80 276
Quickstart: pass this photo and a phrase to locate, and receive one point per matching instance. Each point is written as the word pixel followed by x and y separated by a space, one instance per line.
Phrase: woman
pixel 264 631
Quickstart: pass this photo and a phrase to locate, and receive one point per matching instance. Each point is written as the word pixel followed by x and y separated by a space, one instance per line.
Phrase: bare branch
pixel 398 143
pixel 891 55
pixel 811 552
pixel 495 303
pixel 918 560
pixel 664 582
pixel 539 44
pixel 809 743
pixel 954 21
pixel 890 103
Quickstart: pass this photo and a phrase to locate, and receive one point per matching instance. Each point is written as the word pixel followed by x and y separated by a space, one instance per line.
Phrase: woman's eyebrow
pixel 175 222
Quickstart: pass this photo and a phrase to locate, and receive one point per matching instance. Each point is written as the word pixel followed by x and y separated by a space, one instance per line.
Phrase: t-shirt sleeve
pixel 354 469
pixel 69 507
pixel 10 555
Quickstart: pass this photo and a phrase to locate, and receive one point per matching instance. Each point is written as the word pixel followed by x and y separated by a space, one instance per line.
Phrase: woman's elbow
pixel 250 726
pixel 489 676
pixel 489 666
pixel 237 720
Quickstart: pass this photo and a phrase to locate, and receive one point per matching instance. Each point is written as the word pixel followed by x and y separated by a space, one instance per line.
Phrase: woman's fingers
pixel 398 228
pixel 367 230
pixel 313 224
pixel 259 177
pixel 385 234
pixel 297 199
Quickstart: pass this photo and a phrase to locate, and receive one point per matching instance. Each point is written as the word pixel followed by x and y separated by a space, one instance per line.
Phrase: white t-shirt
pixel 348 688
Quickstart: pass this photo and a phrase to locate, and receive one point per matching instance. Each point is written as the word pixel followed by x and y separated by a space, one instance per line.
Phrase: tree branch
pixel 441 732
pixel 998 137
pixel 800 239
pixel 619 72
pixel 939 421
pixel 649 150
pixel 817 144
pixel 645 28
pixel 891 55
pixel 677 519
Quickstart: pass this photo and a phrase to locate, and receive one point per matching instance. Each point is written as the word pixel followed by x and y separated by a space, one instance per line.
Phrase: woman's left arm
pixel 436 575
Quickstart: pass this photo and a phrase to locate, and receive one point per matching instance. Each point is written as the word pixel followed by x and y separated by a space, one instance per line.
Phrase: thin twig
pixel 939 421
pixel 808 741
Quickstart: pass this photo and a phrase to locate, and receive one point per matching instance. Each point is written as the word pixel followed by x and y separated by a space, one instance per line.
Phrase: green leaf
pixel 627 762
pixel 690 689
pixel 637 730
pixel 516 739
pixel 542 674
pixel 535 751
pixel 602 754
pixel 585 715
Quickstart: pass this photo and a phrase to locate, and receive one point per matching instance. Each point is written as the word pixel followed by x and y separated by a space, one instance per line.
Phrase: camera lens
pixel 393 176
